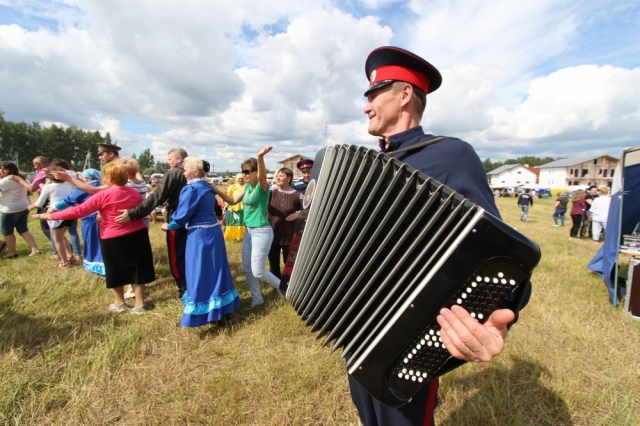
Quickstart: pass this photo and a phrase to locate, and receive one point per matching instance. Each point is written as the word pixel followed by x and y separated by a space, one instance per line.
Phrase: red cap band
pixel 395 72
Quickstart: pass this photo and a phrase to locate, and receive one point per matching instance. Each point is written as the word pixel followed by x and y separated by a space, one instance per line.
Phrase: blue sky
pixel 547 78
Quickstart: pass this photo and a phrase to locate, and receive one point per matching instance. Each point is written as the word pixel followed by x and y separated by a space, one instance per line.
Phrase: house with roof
pixel 512 176
pixel 578 173
pixel 291 163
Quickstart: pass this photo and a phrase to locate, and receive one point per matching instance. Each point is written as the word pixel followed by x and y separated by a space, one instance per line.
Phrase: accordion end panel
pixel 402 361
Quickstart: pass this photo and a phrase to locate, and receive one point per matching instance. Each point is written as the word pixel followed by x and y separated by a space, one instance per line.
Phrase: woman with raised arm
pixel 258 234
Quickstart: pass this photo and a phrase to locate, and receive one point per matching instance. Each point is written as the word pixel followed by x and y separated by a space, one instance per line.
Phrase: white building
pixel 511 175
pixel 578 173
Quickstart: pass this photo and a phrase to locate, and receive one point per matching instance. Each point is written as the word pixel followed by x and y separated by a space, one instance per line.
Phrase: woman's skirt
pixel 210 292
pixel 128 259
pixel 92 255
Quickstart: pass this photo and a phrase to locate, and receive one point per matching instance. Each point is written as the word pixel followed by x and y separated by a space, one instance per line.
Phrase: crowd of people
pixel 115 206
pixel 588 211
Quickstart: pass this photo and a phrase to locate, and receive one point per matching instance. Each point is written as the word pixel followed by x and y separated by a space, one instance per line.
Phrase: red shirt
pixel 107 203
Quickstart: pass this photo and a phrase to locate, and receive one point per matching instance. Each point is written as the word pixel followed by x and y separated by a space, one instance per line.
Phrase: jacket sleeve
pixel 92 205
pixel 166 187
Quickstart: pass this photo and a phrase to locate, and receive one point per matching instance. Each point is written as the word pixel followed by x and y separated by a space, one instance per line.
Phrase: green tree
pixel 146 160
pixel 162 167
pixel 491 165
pixel 22 142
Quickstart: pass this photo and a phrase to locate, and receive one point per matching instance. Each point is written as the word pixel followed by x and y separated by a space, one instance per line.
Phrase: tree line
pixel 528 160
pixel 21 142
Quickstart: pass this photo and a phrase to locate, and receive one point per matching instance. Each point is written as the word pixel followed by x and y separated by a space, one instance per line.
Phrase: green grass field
pixel 65 360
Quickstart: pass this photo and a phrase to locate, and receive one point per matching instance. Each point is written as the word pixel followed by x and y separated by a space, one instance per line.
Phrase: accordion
pixel 384 249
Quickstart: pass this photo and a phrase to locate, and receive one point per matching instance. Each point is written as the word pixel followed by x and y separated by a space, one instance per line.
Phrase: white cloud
pixel 224 79
pixel 598 101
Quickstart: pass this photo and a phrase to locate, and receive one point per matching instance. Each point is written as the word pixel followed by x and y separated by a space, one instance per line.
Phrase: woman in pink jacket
pixel 126 249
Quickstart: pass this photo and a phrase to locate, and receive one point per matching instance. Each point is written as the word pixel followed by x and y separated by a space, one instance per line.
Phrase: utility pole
pixel 326 135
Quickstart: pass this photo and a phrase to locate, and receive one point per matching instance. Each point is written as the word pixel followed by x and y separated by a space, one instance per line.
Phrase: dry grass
pixel 66 360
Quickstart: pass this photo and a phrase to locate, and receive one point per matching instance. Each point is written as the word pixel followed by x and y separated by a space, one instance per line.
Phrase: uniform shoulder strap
pixel 419 145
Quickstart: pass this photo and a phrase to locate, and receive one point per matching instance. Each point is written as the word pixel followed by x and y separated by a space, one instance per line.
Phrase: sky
pixel 558 78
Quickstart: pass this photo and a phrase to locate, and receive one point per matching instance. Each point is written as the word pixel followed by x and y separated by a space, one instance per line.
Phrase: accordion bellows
pixel 384 249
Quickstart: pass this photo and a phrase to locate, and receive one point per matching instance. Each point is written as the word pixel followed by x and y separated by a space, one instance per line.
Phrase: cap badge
pixel 372 77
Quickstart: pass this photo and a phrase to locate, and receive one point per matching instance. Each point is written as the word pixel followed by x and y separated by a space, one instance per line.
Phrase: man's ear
pixel 407 94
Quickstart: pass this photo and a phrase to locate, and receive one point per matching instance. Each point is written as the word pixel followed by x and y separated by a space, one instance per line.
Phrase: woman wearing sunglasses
pixel 258 234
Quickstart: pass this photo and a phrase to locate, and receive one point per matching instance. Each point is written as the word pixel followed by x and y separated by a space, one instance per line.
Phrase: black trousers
pixel 176 246
pixel 44 226
pixel 419 411
pixel 577 220
pixel 274 259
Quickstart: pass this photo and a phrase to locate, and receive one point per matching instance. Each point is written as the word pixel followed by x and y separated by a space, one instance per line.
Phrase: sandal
pixel 35 253
pixel 73 260
pixel 62 266
pixel 10 256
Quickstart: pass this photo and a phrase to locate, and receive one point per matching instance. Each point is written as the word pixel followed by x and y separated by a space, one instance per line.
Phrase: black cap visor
pixel 378 85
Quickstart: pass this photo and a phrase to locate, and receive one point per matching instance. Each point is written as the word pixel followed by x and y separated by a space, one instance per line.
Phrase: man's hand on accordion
pixel 467 339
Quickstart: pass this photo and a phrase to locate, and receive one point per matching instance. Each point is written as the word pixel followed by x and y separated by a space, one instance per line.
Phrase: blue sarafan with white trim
pixel 384 249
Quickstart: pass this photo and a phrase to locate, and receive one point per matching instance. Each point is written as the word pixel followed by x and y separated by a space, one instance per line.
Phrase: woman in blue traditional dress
pixel 210 292
pixel 92 256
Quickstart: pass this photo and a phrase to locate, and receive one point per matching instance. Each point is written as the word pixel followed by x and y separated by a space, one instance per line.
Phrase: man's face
pixel 383 109
pixel 306 174
pixel 593 192
pixel 173 160
pixel 106 156
pixel 37 166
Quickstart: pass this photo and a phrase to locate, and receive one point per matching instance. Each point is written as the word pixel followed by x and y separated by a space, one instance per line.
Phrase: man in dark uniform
pixel 168 190
pixel 305 167
pixel 585 228
pixel 399 82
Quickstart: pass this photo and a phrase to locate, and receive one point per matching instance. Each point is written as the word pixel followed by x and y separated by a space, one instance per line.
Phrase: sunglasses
pixel 247 172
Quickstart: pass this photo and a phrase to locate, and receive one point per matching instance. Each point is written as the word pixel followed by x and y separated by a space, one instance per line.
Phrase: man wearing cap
pixel 305 167
pixel 168 190
pixel 396 99
pixel 108 152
